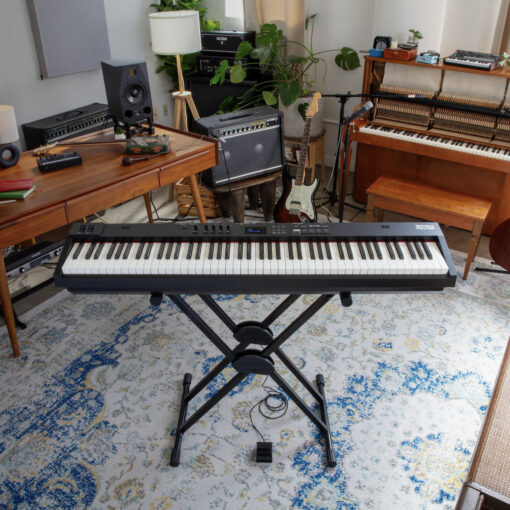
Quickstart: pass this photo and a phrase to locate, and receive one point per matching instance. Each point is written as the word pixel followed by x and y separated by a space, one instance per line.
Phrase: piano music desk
pixel 433 204
pixel 70 194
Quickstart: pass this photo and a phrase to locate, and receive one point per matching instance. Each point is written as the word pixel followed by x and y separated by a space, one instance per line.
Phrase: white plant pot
pixel 293 123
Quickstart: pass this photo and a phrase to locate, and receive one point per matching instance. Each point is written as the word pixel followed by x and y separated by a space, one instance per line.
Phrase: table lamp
pixel 9 153
pixel 177 33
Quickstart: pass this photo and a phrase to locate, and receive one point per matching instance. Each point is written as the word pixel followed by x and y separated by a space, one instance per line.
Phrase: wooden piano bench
pixel 487 485
pixel 432 204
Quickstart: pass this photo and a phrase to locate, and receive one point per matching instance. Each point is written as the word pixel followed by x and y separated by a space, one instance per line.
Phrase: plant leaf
pixel 237 73
pixel 289 92
pixel 244 49
pixel 302 110
pixel 269 98
pixel 296 59
pixel 220 73
pixel 347 59
pixel 310 18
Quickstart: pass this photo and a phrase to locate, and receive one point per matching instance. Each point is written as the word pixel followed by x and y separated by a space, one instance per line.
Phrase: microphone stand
pixel 333 196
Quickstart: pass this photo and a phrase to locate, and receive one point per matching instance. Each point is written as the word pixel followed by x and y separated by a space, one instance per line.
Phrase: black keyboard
pixel 263 258
pixel 58 161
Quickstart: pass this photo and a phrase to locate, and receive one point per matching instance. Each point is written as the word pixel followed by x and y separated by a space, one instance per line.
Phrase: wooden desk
pixel 67 195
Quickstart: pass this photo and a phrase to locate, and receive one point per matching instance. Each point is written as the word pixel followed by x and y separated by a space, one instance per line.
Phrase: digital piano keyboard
pixel 262 258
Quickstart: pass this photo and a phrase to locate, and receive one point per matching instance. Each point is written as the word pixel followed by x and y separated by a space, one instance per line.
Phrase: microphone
pixel 359 112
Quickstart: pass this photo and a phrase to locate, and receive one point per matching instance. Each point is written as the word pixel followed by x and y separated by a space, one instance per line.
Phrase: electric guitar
pixel 296 205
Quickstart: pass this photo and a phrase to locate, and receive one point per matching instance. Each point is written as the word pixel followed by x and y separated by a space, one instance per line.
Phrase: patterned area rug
pixel 88 413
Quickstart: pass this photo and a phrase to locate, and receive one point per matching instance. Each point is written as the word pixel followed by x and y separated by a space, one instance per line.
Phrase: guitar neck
pixel 303 151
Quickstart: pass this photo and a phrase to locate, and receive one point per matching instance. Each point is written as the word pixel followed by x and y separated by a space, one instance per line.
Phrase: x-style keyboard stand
pixel 248 361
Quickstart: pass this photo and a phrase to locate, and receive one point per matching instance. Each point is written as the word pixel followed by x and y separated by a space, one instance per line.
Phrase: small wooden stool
pixel 433 204
pixel 315 151
pixel 231 197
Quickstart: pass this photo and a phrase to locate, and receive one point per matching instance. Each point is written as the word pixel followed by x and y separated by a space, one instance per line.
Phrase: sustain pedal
pixel 58 161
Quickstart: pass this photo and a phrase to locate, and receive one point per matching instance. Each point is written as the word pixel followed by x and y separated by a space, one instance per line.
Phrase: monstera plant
pixel 288 76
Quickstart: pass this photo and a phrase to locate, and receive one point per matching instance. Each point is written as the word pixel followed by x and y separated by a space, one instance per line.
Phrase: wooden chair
pixel 433 204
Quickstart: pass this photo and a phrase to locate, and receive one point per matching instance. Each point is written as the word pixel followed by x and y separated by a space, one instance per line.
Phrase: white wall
pixel 469 25
pixel 33 98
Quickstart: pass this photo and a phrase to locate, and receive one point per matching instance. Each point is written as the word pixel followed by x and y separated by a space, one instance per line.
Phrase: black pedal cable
pixel 265 405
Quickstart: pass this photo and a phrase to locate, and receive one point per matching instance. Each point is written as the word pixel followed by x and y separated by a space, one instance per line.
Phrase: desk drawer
pixel 32 225
pixel 187 166
pixel 109 196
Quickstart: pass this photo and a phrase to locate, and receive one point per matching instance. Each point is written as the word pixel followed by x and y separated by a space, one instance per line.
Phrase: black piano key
pixel 210 255
pixel 362 251
pixel 418 249
pixel 248 250
pixel 349 250
pixel 340 250
pixel 378 250
pixel 199 251
pixel 239 251
pixel 125 255
pixel 390 250
pixel 278 252
pixel 370 251
pixel 169 251
pixel 427 251
pixel 227 250
pixel 328 251
pixel 98 251
pixel 139 252
pixel 311 250
pixel 299 251
pixel 109 255
pixel 411 249
pixel 218 251
pixel 119 250
pixel 319 251
pixel 261 250
pixel 190 251
pixel 399 251
pixel 91 249
pixel 161 250
pixel 148 251
pixel 291 251
pixel 177 250
pixel 270 251
pixel 78 250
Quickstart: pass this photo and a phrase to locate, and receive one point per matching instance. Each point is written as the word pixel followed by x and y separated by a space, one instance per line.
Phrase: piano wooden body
pixel 472 151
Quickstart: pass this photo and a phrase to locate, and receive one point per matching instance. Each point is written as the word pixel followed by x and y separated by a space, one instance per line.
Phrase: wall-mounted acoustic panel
pixel 70 35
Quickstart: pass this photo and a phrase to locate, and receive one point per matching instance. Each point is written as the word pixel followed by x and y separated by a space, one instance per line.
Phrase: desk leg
pixel 7 308
pixel 148 206
pixel 196 197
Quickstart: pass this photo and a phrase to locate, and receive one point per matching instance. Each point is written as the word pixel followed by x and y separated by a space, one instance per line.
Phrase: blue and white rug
pixel 88 412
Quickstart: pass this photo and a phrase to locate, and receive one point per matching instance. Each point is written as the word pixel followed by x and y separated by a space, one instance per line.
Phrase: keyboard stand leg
pixel 252 361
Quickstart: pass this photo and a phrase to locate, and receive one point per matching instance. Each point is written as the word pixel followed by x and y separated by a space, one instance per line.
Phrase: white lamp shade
pixel 175 32
pixel 8 127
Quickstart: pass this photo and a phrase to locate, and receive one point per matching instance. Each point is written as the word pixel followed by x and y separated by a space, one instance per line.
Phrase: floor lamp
pixel 177 33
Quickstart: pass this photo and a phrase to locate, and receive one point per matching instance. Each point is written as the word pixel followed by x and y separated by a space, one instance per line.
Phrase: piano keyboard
pixel 437 141
pixel 267 258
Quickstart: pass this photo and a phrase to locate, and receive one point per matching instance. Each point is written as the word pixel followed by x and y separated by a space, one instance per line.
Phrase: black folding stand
pixel 253 361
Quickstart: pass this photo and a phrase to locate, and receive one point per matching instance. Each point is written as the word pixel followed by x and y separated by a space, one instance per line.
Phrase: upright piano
pixel 455 135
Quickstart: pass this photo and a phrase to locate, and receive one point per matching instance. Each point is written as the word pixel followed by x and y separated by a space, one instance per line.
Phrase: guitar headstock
pixel 313 107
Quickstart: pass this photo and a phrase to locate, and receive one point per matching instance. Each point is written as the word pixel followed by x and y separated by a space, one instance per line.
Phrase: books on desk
pixel 16 188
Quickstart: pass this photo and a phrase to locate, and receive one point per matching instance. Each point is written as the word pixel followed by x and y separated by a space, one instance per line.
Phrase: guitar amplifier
pixel 208 64
pixel 250 144
pixel 83 120
pixel 225 41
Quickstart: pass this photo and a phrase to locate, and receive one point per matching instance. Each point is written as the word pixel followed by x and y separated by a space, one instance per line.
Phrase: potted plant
pixel 415 36
pixel 505 62
pixel 188 62
pixel 289 78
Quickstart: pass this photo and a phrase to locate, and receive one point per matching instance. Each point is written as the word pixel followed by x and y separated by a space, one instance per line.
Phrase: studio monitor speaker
pixel 127 91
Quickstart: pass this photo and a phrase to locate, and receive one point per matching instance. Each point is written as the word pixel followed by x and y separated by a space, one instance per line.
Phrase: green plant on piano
pixel 505 61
